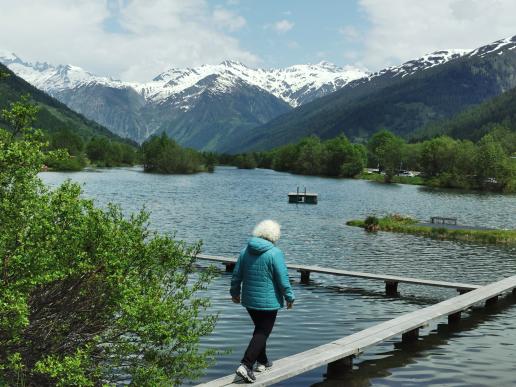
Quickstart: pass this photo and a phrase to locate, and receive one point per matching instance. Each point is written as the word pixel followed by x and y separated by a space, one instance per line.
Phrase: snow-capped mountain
pixel 425 62
pixel 499 47
pixel 294 85
pixel 138 110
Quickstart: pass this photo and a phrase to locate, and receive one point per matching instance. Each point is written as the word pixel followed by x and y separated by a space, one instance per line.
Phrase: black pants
pixel 263 323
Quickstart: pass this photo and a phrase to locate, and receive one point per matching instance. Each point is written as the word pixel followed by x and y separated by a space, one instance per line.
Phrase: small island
pixel 408 225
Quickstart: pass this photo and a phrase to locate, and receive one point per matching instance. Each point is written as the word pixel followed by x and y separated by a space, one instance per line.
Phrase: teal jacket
pixel 261 275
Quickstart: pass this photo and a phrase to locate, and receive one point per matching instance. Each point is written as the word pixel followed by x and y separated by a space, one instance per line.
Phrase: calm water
pixel 221 209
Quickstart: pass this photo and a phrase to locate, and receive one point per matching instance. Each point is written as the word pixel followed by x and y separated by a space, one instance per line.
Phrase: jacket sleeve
pixel 281 276
pixel 236 279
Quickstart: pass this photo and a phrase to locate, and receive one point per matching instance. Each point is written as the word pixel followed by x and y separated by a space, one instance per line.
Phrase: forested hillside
pixel 475 122
pixel 53 115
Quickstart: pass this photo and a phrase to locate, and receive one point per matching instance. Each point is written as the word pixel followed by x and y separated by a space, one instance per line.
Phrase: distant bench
pixel 338 355
pixel 442 220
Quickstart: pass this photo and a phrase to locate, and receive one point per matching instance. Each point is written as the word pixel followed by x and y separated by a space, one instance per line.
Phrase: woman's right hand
pixel 290 304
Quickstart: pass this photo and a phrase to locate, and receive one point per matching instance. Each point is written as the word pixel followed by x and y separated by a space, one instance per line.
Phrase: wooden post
pixel 305 276
pixel 391 288
pixel 492 301
pixel 339 368
pixel 454 319
pixel 230 267
pixel 410 335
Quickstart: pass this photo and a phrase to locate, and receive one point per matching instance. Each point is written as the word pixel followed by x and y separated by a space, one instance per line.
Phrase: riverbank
pixel 401 224
pixel 414 180
pixel 446 182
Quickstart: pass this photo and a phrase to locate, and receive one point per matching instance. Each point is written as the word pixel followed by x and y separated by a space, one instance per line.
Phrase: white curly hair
pixel 268 229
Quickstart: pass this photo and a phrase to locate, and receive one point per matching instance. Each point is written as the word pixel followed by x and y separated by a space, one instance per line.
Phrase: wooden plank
pixel 358 342
pixel 357 274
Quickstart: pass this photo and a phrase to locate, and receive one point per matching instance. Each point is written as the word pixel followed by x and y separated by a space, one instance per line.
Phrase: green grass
pixel 397 223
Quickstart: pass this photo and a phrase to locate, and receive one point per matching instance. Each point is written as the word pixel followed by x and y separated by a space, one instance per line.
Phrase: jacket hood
pixel 259 246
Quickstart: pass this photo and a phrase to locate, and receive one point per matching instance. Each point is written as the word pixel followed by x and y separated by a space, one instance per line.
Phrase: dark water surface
pixel 221 209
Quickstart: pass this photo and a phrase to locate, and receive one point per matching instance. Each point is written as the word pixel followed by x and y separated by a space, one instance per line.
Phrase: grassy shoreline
pixel 397 223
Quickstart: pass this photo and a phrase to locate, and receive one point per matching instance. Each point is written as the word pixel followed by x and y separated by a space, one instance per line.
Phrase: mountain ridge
pixel 129 108
pixel 53 115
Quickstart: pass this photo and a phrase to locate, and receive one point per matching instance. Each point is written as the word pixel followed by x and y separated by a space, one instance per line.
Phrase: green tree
pixel 375 142
pixel 437 155
pixel 493 164
pixel 355 162
pixel 99 151
pixel 337 151
pixel 163 155
pixel 87 294
pixel 128 155
pixel 285 158
pixel 390 154
pixel 66 139
pixel 309 158
pixel 505 137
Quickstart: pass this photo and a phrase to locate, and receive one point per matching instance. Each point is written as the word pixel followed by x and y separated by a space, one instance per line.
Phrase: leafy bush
pixel 65 162
pixel 87 294
pixel 372 223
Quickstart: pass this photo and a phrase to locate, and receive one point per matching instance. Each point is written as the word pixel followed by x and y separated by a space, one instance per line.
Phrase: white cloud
pixel 405 29
pixel 227 19
pixel 157 35
pixel 283 26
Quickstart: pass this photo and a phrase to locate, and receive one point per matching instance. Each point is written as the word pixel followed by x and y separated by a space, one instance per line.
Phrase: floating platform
pixel 302 197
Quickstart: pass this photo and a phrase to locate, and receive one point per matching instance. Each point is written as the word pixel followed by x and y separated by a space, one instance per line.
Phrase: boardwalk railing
pixel 391 281
pixel 338 355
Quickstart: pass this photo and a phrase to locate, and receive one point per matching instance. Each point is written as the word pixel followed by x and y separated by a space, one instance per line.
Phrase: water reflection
pixel 383 366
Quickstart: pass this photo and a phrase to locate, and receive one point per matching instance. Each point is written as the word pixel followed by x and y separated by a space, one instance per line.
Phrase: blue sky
pixel 138 39
pixel 319 30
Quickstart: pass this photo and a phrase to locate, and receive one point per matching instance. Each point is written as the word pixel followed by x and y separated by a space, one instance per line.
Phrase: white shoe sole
pixel 261 368
pixel 243 375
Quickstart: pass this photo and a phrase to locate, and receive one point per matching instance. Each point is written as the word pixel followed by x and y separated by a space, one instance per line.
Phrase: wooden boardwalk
pixel 391 281
pixel 338 354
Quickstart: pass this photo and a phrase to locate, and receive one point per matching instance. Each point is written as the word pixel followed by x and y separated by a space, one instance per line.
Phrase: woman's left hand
pixel 236 299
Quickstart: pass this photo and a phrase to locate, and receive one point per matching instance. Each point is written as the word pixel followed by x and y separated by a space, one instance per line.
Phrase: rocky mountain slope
pixel 53 115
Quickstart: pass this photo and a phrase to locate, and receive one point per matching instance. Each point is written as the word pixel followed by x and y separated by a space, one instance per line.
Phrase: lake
pixel 222 208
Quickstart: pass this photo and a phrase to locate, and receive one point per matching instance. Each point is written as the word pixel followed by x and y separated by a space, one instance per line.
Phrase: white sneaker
pixel 246 373
pixel 262 367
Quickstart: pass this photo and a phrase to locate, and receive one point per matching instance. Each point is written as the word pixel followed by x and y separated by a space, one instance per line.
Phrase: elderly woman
pixel 262 274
